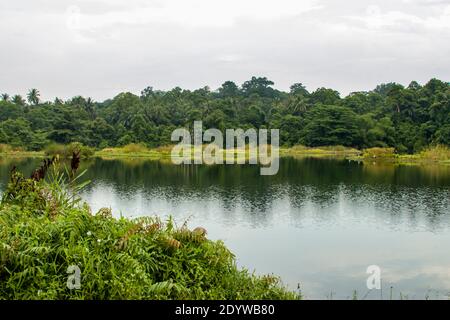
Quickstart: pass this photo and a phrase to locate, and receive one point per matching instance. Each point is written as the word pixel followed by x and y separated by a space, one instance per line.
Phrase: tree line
pixel 391 115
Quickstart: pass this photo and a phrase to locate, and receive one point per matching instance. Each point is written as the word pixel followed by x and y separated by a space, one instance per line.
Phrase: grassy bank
pixel 325 151
pixel 165 152
pixel 45 230
pixel 135 151
pixel 10 151
pixel 433 154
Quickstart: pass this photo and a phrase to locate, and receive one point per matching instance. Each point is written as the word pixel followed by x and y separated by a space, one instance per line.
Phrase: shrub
pixel 134 148
pixel 85 151
pixel 55 149
pixel 66 151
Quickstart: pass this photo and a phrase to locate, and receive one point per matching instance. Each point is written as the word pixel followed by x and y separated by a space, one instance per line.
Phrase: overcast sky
pixel 99 48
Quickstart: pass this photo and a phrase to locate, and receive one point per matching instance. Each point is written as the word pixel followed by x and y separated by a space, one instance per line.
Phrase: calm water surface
pixel 317 223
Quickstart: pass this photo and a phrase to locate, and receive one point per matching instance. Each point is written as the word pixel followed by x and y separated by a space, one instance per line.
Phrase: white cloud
pixel 229 58
pixel 108 46
pixel 198 13
pixel 397 20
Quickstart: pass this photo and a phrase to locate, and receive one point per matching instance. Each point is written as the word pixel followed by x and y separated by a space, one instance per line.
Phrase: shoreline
pixel 332 152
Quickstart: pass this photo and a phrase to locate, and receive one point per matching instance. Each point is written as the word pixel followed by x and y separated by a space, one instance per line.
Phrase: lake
pixel 318 223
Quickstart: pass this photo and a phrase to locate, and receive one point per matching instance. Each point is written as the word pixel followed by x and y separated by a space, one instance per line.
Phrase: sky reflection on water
pixel 319 223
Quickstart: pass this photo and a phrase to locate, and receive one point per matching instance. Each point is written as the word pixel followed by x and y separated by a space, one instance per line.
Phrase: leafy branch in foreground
pixel 45 228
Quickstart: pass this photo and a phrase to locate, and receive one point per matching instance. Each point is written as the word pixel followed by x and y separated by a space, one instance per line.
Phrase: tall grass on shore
pixel 135 150
pixel 378 152
pixel 319 151
pixel 45 228
pixel 6 149
pixel 438 152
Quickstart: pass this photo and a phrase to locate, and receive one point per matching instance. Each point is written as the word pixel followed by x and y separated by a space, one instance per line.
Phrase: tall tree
pixel 17 99
pixel 260 86
pixel 33 96
pixel 228 89
pixel 298 88
pixel 89 107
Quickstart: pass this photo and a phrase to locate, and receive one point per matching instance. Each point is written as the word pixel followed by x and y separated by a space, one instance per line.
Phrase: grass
pixel 436 153
pixel 163 152
pixel 373 153
pixel 323 151
pixel 136 151
pixel 10 151
pixel 45 230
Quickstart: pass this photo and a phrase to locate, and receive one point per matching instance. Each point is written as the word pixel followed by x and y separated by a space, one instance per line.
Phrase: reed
pixel 438 152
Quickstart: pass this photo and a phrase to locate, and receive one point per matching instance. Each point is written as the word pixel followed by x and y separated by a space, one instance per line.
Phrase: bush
pixel 5 148
pixel 85 151
pixel 44 230
pixel 379 153
pixel 55 149
pixel 66 151
pixel 134 148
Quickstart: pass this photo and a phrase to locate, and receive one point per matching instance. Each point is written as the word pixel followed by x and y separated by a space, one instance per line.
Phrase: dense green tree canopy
pixel 407 118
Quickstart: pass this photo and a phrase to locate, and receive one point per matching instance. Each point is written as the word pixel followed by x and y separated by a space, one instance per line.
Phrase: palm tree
pixel 297 104
pixel 5 97
pixel 89 107
pixel 17 99
pixel 33 96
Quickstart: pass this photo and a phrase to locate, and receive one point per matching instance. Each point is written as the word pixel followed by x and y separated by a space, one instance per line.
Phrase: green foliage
pixel 331 125
pixel 18 133
pixel 44 229
pixel 407 119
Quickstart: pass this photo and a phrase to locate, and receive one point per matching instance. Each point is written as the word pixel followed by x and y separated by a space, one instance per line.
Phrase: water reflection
pixel 317 222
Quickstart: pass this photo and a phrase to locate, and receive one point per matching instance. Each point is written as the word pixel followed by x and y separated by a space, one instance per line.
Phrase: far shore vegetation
pixel 408 118
pixel 391 122
pixel 433 154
